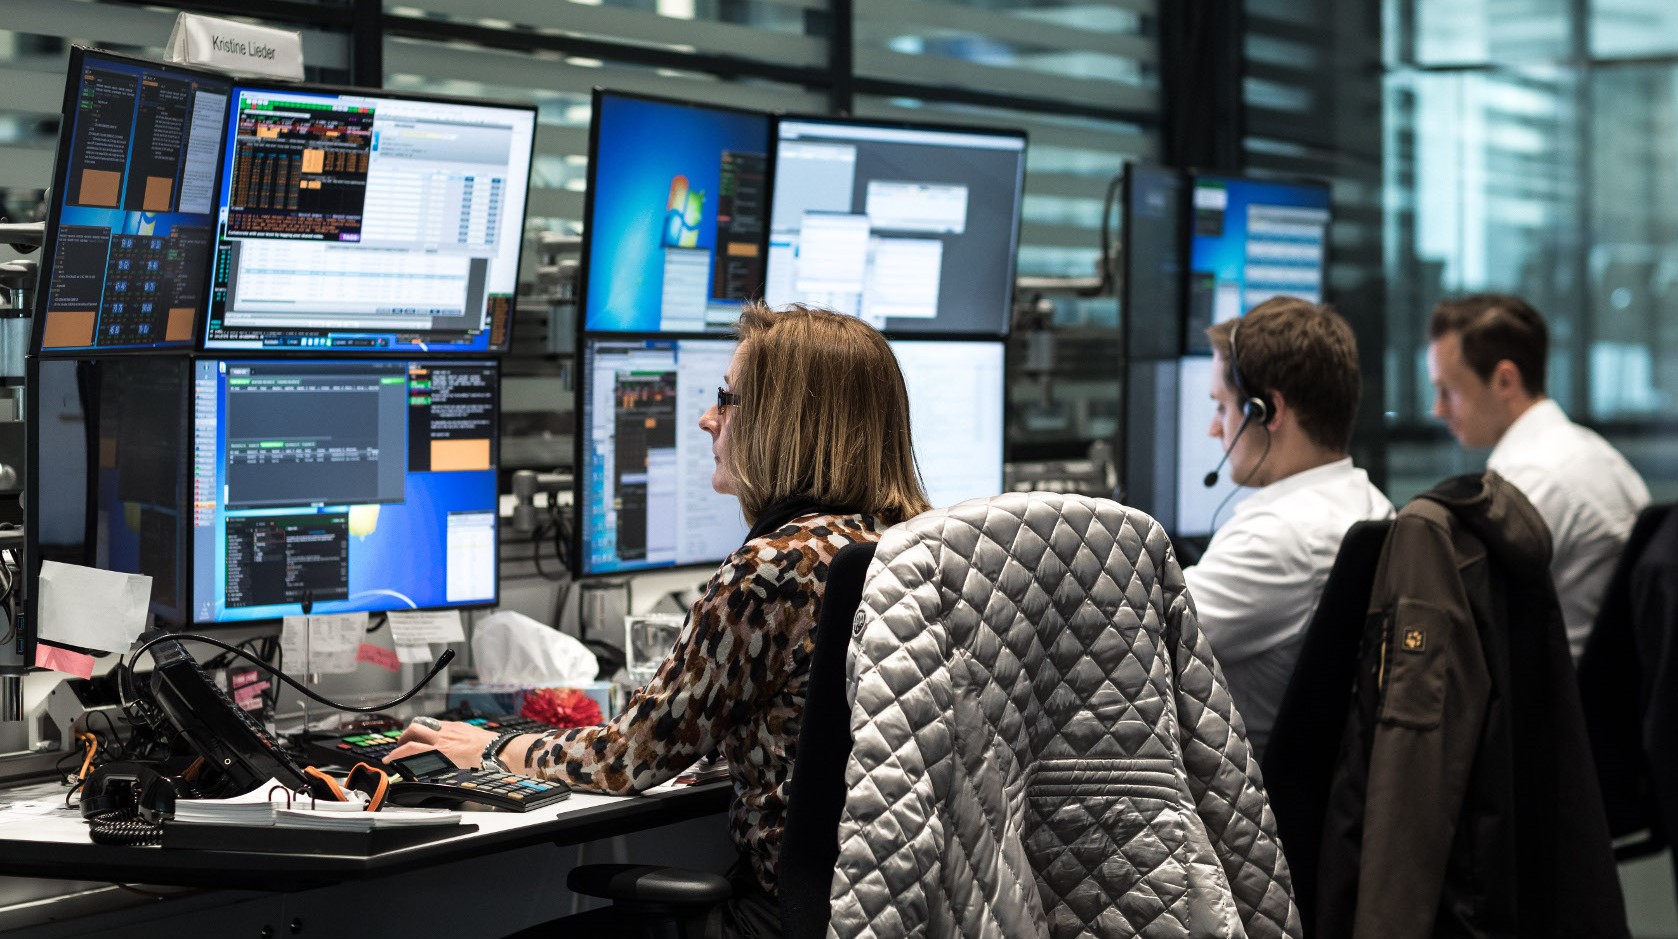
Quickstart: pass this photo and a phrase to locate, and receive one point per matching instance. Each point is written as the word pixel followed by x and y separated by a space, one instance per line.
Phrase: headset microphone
pixel 1211 478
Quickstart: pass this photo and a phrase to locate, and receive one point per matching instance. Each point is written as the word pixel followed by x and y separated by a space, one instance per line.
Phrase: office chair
pixel 668 903
pixel 816 792
pixel 1619 700
pixel 1298 762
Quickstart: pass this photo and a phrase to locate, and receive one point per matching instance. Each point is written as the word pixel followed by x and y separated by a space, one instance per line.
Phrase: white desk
pixel 508 874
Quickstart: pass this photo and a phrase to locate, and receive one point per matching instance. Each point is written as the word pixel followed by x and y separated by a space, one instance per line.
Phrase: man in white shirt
pixel 1487 360
pixel 1286 385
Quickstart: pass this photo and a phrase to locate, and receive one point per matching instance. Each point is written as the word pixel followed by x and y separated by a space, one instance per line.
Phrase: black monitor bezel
pixel 932 127
pixel 79 54
pixel 1127 279
pixel 203 334
pixel 30 570
pixel 586 254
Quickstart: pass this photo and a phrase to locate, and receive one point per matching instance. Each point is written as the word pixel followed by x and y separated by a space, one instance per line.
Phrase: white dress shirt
pixel 1587 493
pixel 1259 581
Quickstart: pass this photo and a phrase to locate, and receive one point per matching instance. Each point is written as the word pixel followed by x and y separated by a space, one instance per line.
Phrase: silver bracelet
pixel 490 761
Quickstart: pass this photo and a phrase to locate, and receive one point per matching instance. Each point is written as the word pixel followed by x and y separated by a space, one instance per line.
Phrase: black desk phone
pixel 429 778
pixel 240 753
pixel 242 756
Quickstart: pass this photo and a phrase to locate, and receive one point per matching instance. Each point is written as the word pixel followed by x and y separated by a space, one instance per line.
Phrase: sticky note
pixel 378 655
pixel 63 660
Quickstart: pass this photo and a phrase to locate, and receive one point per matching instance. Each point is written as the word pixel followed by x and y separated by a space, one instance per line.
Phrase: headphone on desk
pixel 1254 407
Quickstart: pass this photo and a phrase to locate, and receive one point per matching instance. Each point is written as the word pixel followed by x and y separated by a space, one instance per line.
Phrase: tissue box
pixel 497 698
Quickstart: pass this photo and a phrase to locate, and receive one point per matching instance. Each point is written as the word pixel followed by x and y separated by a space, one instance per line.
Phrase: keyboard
pixel 372 746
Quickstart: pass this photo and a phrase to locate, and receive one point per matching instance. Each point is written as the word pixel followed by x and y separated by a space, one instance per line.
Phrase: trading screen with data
pixel 913 229
pixel 353 485
pixel 645 498
pixel 1251 240
pixel 359 222
pixel 132 208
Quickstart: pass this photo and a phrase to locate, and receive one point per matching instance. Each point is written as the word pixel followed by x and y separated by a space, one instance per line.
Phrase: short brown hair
pixel 1493 327
pixel 823 413
pixel 1307 352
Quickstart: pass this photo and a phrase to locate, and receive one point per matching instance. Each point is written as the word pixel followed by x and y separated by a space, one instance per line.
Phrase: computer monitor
pixel 367 222
pixel 644 466
pixel 914 228
pixel 108 470
pixel 1251 240
pixel 674 219
pixel 645 499
pixel 357 485
pixel 1152 282
pixel 955 412
pixel 131 214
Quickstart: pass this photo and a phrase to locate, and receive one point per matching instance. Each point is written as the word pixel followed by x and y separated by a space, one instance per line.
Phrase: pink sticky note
pixel 63 660
pixel 378 655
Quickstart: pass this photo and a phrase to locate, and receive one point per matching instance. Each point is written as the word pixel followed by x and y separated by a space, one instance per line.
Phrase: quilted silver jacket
pixel 1044 744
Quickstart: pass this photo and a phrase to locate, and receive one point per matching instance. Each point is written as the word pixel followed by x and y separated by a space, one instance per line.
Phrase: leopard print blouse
pixel 734 681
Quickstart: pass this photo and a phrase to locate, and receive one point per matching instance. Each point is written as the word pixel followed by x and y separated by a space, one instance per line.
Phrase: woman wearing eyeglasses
pixel 811 432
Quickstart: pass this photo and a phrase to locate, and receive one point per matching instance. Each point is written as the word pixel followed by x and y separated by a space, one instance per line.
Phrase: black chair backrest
pixel 1299 760
pixel 1615 694
pixel 816 792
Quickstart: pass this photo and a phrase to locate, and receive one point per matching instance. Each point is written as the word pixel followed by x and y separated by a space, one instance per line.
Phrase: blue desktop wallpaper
pixel 642 146
pixel 401 564
pixel 1226 257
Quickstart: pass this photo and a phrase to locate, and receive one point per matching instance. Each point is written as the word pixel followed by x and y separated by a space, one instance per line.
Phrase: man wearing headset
pixel 1285 384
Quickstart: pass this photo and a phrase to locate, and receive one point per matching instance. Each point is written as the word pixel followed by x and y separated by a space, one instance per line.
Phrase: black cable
pixel 442 660
pixel 1263 455
pixel 562 537
pixel 536 538
pixel 119 828
pixel 1107 234
pixel 116 738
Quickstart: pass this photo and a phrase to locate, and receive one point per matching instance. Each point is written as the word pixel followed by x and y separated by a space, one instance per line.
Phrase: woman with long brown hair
pixel 811 432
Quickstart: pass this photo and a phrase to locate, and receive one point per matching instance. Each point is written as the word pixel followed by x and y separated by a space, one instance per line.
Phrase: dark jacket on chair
pixel 1465 803
pixel 1628 679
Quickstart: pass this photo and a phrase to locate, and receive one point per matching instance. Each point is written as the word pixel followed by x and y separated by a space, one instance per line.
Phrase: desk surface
pixel 58 845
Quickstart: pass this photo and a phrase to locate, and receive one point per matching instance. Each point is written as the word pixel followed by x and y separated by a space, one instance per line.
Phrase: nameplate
pixel 236 47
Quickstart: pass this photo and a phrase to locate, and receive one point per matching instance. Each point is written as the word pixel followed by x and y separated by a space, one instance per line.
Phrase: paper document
pixel 326 644
pixel 91 608
pixel 416 627
pixel 413 654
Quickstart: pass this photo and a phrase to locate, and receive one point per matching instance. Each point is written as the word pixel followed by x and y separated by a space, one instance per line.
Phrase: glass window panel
pixel 1090 51
pixel 726 27
pixel 1634 254
pixel 1482 189
pixel 1634 28
pixel 1496 32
